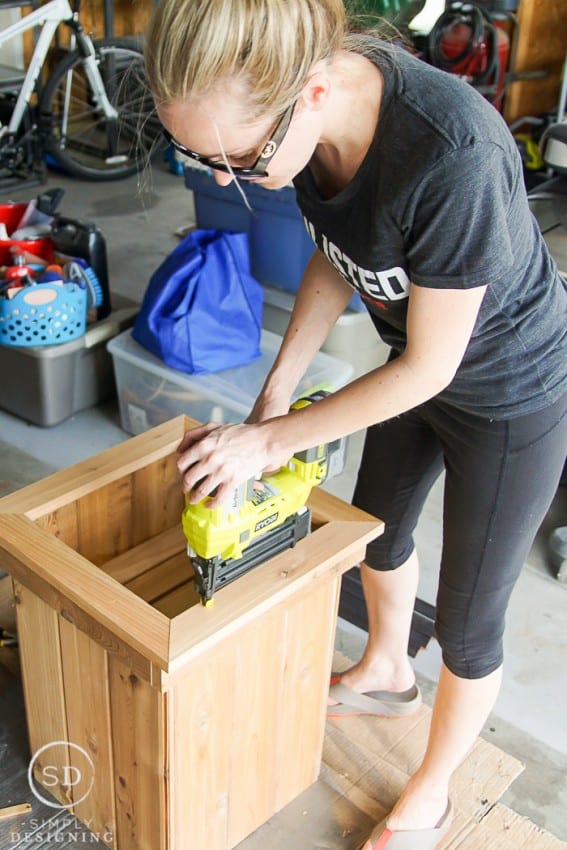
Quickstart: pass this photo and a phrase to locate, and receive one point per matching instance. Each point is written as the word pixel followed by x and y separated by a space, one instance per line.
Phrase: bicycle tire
pixel 89 146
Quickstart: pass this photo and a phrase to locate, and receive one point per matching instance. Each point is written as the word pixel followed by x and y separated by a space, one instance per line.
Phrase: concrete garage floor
pixel 139 224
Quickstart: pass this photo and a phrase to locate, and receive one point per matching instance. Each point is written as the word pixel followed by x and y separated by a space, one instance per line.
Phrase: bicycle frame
pixel 49 17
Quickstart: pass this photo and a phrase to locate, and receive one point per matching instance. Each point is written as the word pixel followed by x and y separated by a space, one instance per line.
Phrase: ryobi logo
pixel 266 521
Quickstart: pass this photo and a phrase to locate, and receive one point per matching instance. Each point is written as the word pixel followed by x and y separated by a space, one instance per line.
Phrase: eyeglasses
pixel 259 166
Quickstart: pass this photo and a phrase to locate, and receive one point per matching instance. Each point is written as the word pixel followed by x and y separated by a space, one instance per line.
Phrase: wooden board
pixel 237 719
pixel 87 706
pixel 40 653
pixel 541 46
pixel 139 735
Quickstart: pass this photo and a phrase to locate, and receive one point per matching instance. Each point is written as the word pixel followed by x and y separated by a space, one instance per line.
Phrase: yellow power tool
pixel 264 516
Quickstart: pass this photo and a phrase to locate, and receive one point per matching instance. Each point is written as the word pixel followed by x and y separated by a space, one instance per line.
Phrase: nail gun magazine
pixel 264 517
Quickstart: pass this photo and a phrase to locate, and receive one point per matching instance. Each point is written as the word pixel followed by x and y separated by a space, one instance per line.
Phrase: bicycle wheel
pixel 78 135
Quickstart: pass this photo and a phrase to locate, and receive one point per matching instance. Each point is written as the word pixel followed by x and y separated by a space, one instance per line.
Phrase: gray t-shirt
pixel 440 201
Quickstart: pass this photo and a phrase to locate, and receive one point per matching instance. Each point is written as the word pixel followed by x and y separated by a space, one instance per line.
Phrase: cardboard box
pixel 188 726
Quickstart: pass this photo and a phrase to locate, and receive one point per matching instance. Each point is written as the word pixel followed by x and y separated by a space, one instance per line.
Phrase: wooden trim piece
pixel 328 508
pixel 328 552
pixel 131 564
pixel 87 703
pixel 42 677
pixel 82 593
pixel 311 626
pixel 138 740
pixel 179 600
pixel 163 579
pixel 13 811
pixel 89 475
pixel 89 625
pixel 201 709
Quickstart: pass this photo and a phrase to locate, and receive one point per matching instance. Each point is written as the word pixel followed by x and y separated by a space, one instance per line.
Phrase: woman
pixel 412 189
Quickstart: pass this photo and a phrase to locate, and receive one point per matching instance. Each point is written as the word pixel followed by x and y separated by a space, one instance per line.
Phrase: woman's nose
pixel 222 177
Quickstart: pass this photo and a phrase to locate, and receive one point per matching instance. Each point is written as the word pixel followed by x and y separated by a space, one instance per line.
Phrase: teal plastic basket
pixel 44 314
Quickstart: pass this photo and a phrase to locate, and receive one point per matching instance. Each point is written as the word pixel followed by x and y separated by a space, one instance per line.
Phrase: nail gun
pixel 264 516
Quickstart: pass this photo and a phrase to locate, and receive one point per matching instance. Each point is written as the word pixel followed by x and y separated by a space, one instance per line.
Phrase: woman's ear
pixel 317 88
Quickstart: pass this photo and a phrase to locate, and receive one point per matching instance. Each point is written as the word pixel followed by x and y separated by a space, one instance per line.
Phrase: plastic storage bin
pixel 280 247
pixel 149 392
pixel 353 338
pixel 46 385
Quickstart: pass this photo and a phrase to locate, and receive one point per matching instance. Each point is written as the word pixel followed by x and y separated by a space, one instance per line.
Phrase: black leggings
pixel 501 477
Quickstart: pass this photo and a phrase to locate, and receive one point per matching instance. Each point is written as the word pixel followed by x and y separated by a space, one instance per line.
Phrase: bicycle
pixel 93 116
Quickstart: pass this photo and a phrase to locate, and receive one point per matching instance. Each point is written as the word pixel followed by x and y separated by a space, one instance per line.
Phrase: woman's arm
pixel 321 299
pixel 439 326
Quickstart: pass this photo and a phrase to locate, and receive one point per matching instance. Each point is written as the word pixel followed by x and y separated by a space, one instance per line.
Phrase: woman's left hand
pixel 221 457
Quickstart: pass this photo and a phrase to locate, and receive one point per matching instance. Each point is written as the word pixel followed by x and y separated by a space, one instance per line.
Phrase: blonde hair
pixel 193 46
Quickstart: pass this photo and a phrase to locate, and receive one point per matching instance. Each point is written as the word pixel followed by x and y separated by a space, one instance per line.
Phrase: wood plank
pixel 162 579
pixel 70 484
pixel 178 601
pixel 126 566
pixel 42 676
pixel 248 721
pixel 202 733
pixel 329 551
pixel 13 811
pixel 83 594
pixel 309 641
pixel 140 761
pixel 258 703
pixel 87 702
pixel 325 507
pixel 520 833
pixel 104 521
pixel 71 612
pixel 541 46
pixel 157 498
pixel 62 524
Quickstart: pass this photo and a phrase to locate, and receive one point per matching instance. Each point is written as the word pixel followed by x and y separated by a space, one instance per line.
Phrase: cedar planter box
pixel 195 725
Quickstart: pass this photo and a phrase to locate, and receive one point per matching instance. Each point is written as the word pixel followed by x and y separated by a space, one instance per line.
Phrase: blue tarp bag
pixel 202 310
